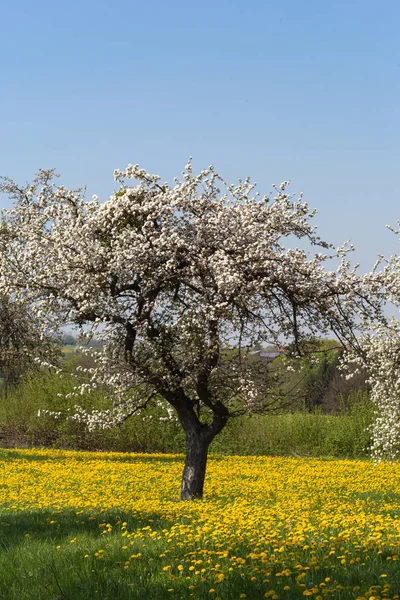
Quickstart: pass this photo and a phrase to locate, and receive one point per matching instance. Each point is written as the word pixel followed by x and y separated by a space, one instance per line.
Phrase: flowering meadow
pixel 80 525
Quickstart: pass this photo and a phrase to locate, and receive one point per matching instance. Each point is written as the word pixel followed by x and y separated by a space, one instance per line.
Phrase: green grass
pixel 35 568
pixel 300 433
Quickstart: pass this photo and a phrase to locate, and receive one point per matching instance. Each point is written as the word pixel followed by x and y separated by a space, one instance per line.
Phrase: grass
pixel 344 435
pixel 81 525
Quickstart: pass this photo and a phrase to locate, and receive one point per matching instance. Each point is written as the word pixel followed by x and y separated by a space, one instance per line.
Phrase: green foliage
pixel 318 380
pixel 302 433
pixel 299 433
pixel 25 425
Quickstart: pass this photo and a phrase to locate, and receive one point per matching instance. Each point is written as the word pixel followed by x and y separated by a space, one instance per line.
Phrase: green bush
pixel 302 433
pixel 299 433
pixel 23 415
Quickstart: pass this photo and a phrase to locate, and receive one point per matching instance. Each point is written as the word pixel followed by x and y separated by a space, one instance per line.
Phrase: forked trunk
pixel 194 471
pixel 198 438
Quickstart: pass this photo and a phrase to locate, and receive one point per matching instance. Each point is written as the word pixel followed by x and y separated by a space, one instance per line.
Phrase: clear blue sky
pixel 307 91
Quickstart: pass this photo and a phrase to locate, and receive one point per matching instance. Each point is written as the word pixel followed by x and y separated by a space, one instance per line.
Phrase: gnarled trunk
pixel 194 471
pixel 198 438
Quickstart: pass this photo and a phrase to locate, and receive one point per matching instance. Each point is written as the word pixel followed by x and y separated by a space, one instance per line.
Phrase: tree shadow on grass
pixel 65 555
pixel 62 555
pixel 51 555
pixel 54 526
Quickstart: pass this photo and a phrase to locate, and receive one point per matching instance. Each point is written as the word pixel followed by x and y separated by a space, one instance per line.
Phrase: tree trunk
pixel 194 471
pixel 198 438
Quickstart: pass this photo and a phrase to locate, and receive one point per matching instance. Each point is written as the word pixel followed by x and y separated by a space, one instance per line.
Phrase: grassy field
pixel 77 526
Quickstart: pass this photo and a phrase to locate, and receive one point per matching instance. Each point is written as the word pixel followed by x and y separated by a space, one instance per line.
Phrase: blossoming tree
pixel 380 360
pixel 24 339
pixel 171 277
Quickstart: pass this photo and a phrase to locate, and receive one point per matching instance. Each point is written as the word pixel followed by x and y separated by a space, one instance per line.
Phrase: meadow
pixel 80 525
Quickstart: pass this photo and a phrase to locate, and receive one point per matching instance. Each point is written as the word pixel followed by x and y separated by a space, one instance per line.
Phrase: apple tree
pixel 178 280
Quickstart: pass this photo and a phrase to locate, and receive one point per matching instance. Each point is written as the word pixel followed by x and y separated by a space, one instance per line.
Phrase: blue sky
pixel 307 91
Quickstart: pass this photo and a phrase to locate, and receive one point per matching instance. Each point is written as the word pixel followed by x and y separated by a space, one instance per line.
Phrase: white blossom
pixel 171 277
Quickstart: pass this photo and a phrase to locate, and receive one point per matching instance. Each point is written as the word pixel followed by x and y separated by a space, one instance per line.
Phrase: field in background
pixel 69 349
pixel 89 525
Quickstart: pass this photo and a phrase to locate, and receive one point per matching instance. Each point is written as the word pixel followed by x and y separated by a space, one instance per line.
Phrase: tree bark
pixel 198 438
pixel 194 471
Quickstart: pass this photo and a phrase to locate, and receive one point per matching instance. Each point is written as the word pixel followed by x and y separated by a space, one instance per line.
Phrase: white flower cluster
pixel 379 356
pixel 174 279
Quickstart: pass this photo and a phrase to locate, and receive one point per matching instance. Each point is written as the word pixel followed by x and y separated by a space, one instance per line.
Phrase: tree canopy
pixel 24 340
pixel 168 276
